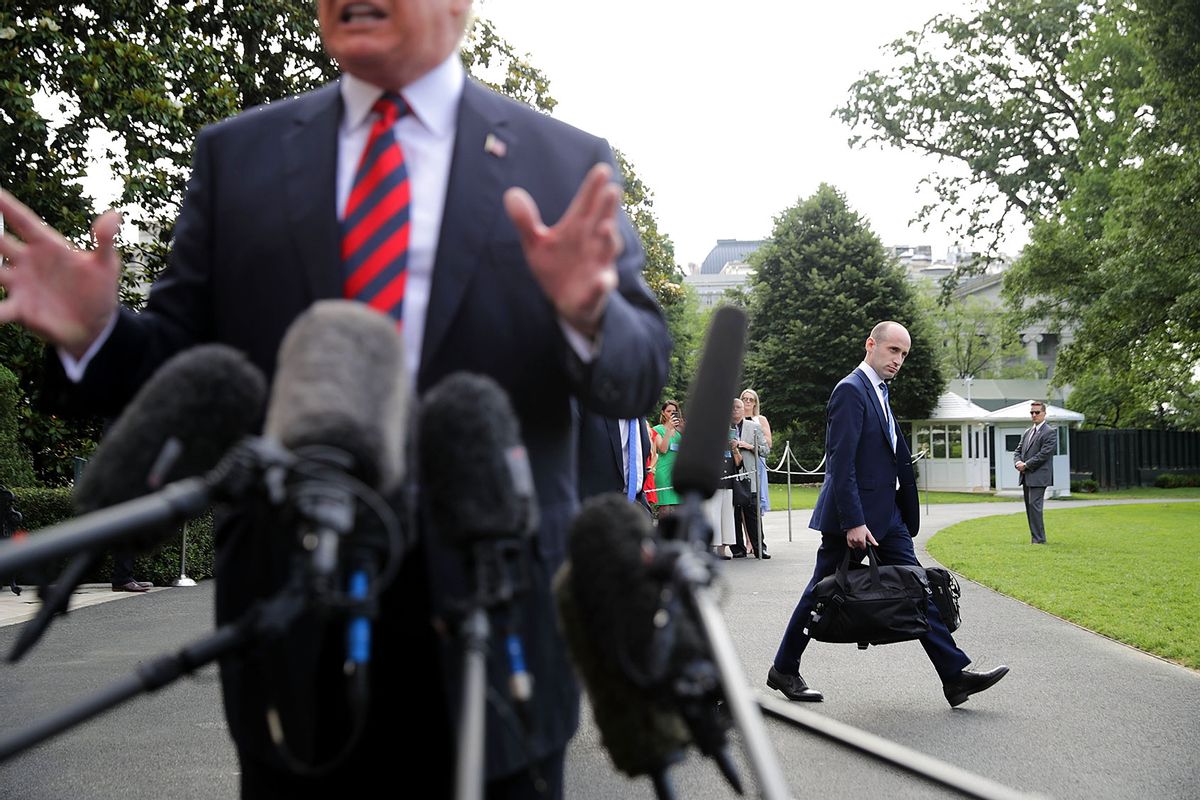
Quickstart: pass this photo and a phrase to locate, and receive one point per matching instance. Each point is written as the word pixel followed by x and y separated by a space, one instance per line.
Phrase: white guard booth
pixel 955 443
pixel 1008 424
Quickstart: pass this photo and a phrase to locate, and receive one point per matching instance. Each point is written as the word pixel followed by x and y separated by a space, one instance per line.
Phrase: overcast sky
pixel 724 108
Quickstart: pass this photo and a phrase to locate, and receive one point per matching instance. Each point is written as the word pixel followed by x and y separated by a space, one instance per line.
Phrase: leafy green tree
pixel 1022 93
pixel 978 340
pixel 665 279
pixel 15 467
pixel 1082 118
pixel 1119 261
pixel 821 283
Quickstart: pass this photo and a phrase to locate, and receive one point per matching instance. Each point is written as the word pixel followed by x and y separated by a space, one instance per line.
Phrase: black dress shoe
pixel 792 686
pixel 147 584
pixel 765 554
pixel 969 682
pixel 132 586
pixel 739 555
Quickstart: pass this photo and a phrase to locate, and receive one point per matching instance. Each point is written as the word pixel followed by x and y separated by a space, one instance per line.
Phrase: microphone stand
pixel 255 465
pixel 758 494
pixel 264 620
pixel 690 570
pixel 499 575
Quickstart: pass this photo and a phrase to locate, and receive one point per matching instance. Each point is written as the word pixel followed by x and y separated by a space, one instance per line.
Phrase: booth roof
pixel 1019 412
pixel 951 406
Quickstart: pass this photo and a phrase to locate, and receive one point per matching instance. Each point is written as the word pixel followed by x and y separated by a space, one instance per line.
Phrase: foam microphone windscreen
pixel 205 399
pixel 710 405
pixel 341 384
pixel 607 603
pixel 474 467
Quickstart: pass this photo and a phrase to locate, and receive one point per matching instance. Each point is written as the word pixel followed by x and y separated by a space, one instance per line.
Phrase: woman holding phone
pixel 670 431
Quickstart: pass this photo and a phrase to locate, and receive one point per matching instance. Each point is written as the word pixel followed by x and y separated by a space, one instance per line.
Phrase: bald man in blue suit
pixel 870 497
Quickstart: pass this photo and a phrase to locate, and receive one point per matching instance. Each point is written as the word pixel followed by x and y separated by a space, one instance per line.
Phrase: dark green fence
pixel 1119 459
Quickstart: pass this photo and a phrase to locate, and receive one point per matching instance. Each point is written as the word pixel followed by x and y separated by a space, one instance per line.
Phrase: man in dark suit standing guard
pixel 869 497
pixel 272 221
pixel 1034 459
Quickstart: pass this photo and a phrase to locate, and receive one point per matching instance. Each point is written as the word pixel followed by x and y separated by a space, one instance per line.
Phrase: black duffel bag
pixel 946 591
pixel 877 605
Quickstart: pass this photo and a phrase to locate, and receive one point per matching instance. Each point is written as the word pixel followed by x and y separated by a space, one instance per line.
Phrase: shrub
pixel 16 467
pixel 42 508
pixel 1177 480
pixel 1085 486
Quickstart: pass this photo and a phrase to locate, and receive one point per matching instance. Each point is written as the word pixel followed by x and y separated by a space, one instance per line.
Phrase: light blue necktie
pixel 631 482
pixel 887 412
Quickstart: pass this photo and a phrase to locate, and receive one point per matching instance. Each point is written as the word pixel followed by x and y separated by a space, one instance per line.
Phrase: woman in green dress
pixel 670 431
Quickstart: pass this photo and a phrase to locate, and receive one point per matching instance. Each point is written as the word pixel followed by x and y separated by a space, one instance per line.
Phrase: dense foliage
pixel 1082 119
pixel 821 283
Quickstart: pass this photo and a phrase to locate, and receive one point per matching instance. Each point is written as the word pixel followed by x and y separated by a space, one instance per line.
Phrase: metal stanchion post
pixel 787 459
pixel 183 579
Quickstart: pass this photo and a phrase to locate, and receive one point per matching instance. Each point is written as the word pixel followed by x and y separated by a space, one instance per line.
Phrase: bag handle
pixel 872 563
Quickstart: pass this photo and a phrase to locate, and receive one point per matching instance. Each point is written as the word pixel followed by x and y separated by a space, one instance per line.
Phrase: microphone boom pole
pixel 697 474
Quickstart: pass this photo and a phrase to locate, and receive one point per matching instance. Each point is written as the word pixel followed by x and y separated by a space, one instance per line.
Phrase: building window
pixel 956 442
pixel 921 437
pixel 939 443
pixel 1047 345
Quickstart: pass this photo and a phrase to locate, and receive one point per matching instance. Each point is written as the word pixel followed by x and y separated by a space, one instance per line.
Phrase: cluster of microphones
pixel 332 460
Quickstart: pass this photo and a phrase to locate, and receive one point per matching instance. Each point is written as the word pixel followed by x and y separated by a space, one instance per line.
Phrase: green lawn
pixel 806 496
pixel 1128 572
pixel 1141 493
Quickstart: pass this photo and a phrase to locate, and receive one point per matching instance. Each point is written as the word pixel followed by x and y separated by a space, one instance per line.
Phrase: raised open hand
pixel 575 260
pixel 62 294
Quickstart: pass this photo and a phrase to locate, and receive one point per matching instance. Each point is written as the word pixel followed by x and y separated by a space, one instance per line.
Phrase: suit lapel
pixel 479 174
pixel 310 188
pixel 873 401
pixel 614 441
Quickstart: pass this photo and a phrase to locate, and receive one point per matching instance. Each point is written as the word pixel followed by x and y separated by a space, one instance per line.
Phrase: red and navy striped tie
pixel 375 225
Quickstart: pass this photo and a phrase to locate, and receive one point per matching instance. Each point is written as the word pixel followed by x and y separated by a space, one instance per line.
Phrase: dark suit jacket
pixel 860 467
pixel 257 241
pixel 1037 451
pixel 601 455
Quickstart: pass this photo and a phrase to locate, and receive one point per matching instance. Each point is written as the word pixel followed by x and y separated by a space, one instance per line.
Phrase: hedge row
pixel 1177 480
pixel 41 508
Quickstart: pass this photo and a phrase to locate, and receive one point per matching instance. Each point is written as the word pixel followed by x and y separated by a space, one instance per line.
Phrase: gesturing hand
pixel 574 261
pixel 62 294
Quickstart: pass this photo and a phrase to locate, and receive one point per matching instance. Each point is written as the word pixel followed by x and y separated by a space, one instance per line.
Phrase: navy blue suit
pixel 602 456
pixel 256 243
pixel 860 488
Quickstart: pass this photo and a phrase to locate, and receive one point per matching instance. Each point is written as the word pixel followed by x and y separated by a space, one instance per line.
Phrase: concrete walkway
pixel 1080 716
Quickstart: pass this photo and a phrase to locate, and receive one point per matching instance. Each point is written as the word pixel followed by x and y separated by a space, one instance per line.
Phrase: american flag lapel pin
pixel 493 145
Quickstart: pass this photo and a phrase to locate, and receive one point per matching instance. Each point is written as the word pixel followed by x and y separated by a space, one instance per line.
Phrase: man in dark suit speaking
pixel 869 497
pixel 280 211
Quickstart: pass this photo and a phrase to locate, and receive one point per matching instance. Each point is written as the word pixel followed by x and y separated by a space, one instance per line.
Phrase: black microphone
pixel 183 420
pixel 698 467
pixel 645 662
pixel 476 471
pixel 607 604
pixel 478 485
pixel 340 391
pixel 196 406
pixel 338 404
